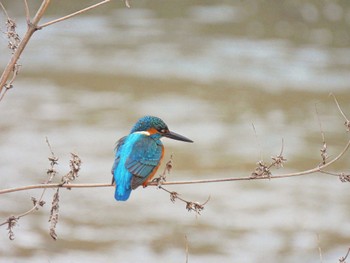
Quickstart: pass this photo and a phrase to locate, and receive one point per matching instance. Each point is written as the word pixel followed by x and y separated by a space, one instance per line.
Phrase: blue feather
pixel 122 176
pixel 136 157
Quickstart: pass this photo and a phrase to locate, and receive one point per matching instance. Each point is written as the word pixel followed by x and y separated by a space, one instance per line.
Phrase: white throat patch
pixel 143 132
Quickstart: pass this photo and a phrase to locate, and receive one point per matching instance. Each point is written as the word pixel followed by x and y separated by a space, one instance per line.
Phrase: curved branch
pixel 319 168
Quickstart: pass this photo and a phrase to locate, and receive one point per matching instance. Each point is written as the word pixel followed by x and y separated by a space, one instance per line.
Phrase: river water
pixel 211 71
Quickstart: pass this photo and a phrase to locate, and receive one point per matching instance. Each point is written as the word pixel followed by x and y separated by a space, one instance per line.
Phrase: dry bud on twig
pixel 190 206
pixel 13 43
pixel 37 204
pixel 279 159
pixel 11 223
pixel 344 177
pixel 347 125
pixel 51 172
pixel 13 37
pixel 324 154
pixel 54 214
pixel 196 207
pixel 162 178
pixel 75 164
pixel 261 170
pixel 173 196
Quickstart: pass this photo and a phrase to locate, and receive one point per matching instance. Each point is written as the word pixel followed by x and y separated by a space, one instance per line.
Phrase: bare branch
pixel 12 67
pixel 347 122
pixel 190 205
pixel 342 259
pixel 12 220
pixel 73 14
pixel 13 43
pixel 161 180
pixel 37 203
pixel 320 169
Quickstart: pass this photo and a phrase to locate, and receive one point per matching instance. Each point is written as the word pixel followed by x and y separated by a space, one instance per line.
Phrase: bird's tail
pixel 121 193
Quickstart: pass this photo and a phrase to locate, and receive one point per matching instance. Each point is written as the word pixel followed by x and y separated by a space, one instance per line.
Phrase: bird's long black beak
pixel 175 136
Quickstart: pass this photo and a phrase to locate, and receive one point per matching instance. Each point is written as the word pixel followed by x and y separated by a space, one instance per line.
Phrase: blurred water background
pixel 210 69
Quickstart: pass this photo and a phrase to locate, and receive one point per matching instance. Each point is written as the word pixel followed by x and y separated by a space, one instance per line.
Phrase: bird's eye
pixel 163 130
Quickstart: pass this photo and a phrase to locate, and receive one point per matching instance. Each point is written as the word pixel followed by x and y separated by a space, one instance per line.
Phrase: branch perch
pixel 319 168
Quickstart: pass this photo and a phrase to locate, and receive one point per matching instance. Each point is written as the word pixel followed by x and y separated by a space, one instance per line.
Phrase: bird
pixel 139 155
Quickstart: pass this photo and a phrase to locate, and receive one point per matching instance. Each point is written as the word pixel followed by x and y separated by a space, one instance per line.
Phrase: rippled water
pixel 210 70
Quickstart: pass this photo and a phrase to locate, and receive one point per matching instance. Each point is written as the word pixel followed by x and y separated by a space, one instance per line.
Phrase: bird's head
pixel 156 127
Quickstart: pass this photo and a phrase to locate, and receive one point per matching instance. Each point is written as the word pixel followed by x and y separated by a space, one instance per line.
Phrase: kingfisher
pixel 139 154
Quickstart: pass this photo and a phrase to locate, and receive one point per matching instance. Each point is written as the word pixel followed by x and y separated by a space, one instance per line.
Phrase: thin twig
pixel 190 205
pixel 279 159
pixel 26 7
pixel 258 141
pixel 347 122
pixel 51 172
pixel 340 110
pixel 4 9
pixel 342 259
pixel 73 14
pixel 37 204
pixel 323 150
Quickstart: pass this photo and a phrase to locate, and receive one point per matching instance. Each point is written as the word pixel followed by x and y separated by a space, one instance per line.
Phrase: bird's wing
pixel 144 159
pixel 117 149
